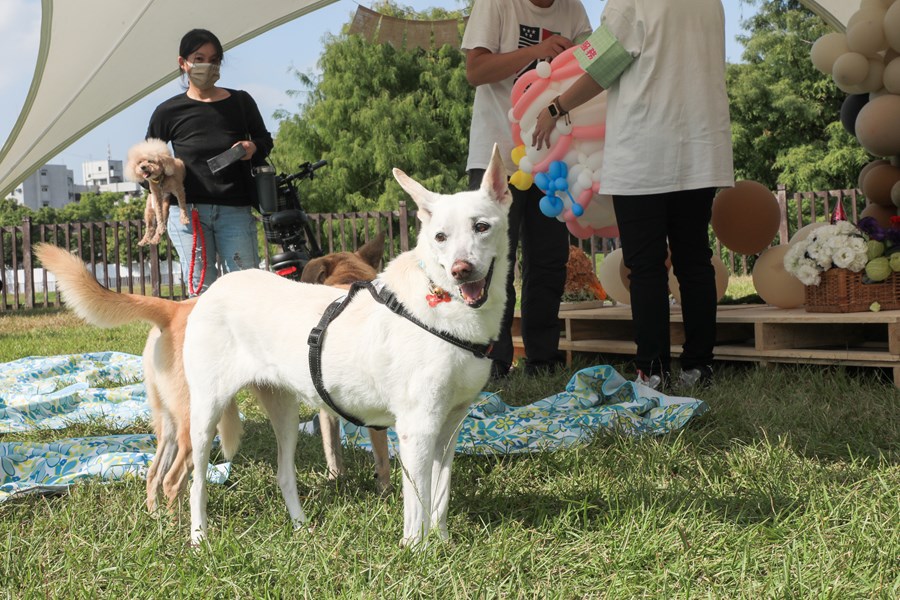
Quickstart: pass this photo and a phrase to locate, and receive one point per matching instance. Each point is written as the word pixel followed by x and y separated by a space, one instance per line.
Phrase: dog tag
pixel 229 157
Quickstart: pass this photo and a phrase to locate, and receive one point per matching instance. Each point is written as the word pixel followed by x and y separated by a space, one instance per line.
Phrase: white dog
pixel 250 330
pixel 152 162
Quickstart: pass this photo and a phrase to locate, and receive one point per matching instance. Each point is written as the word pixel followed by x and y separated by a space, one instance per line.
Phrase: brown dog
pixel 340 270
pixel 151 161
pixel 166 386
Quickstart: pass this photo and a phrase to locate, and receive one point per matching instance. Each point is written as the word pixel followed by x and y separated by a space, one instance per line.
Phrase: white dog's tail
pixel 96 304
pixel 230 430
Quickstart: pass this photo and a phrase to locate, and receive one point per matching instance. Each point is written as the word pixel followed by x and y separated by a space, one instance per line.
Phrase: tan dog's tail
pixel 93 302
pixel 230 430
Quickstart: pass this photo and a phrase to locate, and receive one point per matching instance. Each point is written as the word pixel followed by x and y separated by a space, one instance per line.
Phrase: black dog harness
pixel 383 296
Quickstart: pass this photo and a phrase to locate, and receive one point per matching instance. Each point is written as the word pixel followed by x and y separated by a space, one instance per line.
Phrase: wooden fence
pixel 150 271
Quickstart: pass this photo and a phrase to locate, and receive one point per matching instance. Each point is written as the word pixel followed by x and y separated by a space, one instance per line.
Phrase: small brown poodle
pixel 152 162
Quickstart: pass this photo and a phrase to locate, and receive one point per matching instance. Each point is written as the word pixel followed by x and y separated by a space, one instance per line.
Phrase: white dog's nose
pixel 461 270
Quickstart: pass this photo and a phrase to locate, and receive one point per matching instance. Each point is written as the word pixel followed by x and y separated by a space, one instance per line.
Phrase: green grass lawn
pixel 788 488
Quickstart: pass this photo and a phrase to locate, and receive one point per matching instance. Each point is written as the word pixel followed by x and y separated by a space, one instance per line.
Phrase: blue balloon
pixel 542 181
pixel 551 186
pixel 551 206
pixel 577 210
pixel 560 184
pixel 557 169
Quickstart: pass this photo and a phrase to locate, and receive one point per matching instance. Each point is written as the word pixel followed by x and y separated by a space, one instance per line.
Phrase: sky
pixel 263 66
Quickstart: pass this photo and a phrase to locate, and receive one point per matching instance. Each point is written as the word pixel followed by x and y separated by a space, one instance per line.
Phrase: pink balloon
pixel 534 90
pixel 521 85
pixel 563 57
pixel 578 230
pixel 516 133
pixel 584 197
pixel 610 231
pixel 593 132
pixel 570 70
pixel 557 153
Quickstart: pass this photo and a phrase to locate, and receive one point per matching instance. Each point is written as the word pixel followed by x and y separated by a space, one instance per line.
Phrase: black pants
pixel 645 224
pixel 545 252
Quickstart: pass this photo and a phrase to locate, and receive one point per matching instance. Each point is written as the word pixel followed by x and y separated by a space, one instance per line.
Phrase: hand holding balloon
pixel 543 127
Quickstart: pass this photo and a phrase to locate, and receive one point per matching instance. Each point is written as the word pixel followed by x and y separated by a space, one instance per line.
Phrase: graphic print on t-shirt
pixel 531 36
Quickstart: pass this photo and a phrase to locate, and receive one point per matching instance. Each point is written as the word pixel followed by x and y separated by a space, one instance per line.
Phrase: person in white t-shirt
pixel 667 150
pixel 503 40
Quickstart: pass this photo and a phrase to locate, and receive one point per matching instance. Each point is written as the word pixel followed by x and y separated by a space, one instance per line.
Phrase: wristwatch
pixel 555 109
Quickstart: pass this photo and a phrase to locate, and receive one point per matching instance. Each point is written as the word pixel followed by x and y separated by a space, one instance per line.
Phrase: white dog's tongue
pixel 472 291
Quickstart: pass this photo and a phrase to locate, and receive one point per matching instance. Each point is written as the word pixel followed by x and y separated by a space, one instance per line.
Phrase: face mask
pixel 203 75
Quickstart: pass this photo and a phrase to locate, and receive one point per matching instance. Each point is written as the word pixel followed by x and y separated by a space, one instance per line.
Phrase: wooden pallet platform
pixel 758 333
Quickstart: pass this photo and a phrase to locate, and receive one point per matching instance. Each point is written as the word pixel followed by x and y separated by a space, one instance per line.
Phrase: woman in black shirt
pixel 201 123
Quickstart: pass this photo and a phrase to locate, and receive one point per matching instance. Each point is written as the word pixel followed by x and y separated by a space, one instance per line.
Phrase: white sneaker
pixel 654 382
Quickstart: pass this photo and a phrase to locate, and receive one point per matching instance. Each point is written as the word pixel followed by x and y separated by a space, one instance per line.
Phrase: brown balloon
pixel 880 213
pixel 625 272
pixel 877 126
pixel 746 217
pixel 878 183
pixel 865 170
pixel 722 277
pixel 772 281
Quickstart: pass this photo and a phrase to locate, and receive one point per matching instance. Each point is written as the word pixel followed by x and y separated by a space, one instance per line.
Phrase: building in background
pixel 108 176
pixel 53 186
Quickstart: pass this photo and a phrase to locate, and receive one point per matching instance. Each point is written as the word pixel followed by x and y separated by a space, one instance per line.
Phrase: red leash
pixel 198 232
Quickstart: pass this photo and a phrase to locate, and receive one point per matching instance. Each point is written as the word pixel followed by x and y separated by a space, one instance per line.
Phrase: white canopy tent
pixel 97 57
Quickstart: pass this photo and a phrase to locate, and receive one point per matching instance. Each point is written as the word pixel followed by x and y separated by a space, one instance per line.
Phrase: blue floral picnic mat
pixel 54 392
pixel 595 399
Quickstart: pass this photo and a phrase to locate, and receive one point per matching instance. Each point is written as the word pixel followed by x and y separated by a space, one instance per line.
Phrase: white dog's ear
pixel 423 198
pixel 494 182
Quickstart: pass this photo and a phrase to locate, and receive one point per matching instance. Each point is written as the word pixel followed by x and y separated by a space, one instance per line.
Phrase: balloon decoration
pixel 772 281
pixel 850 109
pixel 625 272
pixel 864 62
pixel 880 213
pixel 878 183
pixel 610 275
pixel 568 172
pixel 804 232
pixel 722 277
pixel 746 217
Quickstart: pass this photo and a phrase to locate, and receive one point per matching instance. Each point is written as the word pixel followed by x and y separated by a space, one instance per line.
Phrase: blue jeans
pixel 229 234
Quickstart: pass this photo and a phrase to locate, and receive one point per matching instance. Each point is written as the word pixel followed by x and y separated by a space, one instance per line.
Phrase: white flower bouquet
pixel 840 245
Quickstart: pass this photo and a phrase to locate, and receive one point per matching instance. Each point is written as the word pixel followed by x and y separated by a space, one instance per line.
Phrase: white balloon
pixel 543 69
pixel 599 212
pixel 525 164
pixel 574 172
pixel 585 180
pixel 594 161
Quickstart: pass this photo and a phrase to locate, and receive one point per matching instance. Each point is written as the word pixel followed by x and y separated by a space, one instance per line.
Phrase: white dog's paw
pixel 197 538
pixel 303 525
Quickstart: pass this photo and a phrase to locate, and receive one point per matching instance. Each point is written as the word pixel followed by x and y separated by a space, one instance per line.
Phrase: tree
pixel 785 114
pixel 376 107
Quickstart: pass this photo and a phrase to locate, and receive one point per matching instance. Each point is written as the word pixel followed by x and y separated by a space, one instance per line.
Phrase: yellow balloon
pixel 521 180
pixel 517 153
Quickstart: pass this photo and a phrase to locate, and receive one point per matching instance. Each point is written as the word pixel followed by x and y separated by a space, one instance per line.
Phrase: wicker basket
pixel 843 291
